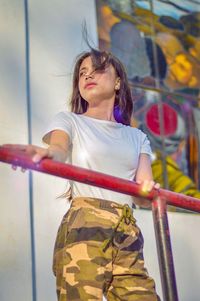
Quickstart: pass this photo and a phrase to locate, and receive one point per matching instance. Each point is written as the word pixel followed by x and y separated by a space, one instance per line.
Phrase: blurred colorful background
pixel 159 43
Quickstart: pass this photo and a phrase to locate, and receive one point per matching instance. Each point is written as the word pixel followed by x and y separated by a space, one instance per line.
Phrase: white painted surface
pixel 15 252
pixel 55 39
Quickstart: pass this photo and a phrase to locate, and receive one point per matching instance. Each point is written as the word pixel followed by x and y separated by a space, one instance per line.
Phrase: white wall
pixel 15 252
pixel 55 40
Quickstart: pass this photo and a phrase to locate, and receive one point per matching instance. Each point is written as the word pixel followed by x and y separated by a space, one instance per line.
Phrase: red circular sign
pixel 169 118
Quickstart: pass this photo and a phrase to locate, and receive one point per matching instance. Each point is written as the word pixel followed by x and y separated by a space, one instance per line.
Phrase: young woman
pixel 99 248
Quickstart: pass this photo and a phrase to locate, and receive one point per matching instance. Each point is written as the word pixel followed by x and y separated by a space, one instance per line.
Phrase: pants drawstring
pixel 127 218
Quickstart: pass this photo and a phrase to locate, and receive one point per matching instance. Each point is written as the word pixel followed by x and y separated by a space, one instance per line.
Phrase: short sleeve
pixel 61 121
pixel 145 145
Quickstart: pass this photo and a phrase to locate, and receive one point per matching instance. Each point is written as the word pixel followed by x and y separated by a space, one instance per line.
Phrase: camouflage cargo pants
pixel 99 251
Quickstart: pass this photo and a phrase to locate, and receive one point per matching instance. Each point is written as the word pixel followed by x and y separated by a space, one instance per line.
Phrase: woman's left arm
pixel 144 177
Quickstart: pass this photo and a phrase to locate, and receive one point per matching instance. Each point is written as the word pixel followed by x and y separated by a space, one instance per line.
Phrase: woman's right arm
pixel 58 148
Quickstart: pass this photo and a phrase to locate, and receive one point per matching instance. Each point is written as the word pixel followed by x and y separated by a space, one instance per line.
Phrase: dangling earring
pixel 117 85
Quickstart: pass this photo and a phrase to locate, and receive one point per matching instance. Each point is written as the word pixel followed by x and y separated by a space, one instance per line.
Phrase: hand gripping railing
pixel 159 199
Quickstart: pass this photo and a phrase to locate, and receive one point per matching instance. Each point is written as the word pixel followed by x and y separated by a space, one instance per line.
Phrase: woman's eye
pixel 97 71
pixel 81 74
pixel 100 71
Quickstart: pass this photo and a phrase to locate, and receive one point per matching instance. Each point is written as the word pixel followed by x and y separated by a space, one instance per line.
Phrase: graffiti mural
pixel 159 43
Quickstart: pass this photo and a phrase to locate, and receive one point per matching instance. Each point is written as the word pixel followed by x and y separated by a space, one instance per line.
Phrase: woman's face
pixel 99 85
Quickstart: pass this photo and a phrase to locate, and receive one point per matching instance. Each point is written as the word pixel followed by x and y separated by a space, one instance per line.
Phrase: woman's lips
pixel 90 85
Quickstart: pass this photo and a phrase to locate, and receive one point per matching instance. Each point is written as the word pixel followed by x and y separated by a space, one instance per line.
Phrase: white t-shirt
pixel 104 146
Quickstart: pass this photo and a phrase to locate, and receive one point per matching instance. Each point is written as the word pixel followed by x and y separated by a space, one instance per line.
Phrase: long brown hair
pixel 123 107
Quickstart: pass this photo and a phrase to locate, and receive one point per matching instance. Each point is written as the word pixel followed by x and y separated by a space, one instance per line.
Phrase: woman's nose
pixel 89 75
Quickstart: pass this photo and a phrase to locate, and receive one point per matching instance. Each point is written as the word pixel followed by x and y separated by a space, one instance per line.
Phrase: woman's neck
pixel 100 113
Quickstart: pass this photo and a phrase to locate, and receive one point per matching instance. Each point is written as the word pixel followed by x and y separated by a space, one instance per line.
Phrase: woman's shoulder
pixel 136 131
pixel 138 136
pixel 66 116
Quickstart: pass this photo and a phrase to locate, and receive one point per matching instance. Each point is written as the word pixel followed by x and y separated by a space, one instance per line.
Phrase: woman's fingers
pixel 42 153
pixel 29 149
pixel 36 152
pixel 38 157
pixel 157 186
pixel 14 167
pixel 21 147
pixel 148 185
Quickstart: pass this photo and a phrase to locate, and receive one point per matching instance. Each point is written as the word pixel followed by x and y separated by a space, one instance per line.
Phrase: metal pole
pixel 164 250
pixel 29 126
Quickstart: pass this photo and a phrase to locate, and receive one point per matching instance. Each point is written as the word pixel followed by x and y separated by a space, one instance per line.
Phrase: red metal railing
pixel 159 199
